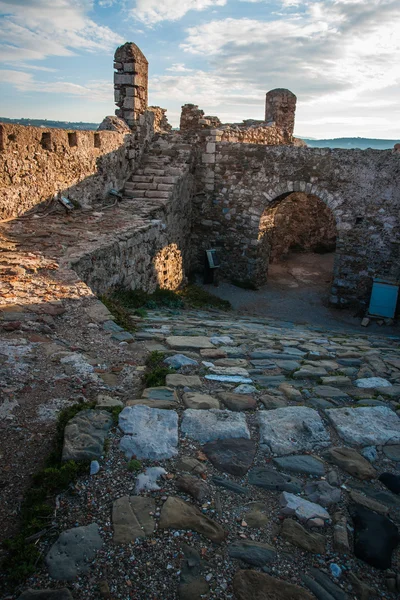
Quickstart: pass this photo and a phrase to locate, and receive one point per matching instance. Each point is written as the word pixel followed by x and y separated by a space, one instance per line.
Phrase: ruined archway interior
pixel 298 241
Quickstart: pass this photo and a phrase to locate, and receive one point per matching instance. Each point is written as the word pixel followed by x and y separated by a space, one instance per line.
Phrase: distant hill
pixel 51 124
pixel 350 143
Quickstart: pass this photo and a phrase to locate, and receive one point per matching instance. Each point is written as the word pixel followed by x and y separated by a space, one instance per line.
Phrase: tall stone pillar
pixel 280 107
pixel 130 82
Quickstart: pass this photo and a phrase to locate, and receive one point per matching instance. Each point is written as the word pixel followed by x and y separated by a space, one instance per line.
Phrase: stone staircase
pixel 163 164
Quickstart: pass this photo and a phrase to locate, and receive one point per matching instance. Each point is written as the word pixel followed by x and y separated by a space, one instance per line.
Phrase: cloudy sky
pixel 340 57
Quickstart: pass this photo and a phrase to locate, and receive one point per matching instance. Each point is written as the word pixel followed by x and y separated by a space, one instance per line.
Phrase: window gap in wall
pixel 45 142
pixel 1 138
pixel 72 139
pixel 97 140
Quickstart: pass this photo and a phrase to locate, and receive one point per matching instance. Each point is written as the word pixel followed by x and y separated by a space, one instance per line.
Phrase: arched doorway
pixel 297 242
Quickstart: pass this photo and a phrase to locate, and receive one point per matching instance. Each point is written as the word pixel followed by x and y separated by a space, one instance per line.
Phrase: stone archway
pixel 299 222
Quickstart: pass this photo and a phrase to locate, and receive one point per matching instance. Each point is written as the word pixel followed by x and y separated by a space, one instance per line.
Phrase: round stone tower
pixel 280 107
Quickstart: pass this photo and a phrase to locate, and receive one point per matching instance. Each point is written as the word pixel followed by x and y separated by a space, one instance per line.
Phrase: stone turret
pixel 130 83
pixel 280 107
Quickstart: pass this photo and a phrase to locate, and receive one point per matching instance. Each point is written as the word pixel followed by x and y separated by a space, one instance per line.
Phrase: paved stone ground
pixel 289 488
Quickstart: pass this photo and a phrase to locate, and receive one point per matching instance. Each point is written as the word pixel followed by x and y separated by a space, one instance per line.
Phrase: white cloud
pixel 99 91
pixel 333 55
pixel 178 68
pixel 36 29
pixel 151 12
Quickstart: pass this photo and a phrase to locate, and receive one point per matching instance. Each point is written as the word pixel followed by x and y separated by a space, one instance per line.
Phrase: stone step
pixel 149 171
pixel 156 194
pixel 165 179
pixel 145 186
pixel 134 193
pixel 140 178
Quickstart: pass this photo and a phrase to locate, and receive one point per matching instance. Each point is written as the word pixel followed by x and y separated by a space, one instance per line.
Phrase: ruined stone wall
pixel 280 108
pixel 193 119
pixel 130 83
pixel 161 124
pixel 361 188
pixel 300 221
pixel 38 164
pixel 152 254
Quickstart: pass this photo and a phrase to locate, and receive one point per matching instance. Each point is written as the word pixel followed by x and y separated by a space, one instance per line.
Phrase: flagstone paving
pixel 269 475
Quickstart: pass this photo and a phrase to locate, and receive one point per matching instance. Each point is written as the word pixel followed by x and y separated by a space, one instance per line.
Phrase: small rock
pixel 147 481
pixel 369 503
pixel 238 402
pixel 180 360
pixel 375 537
pixel 199 401
pixel 193 486
pixel 85 434
pixel 245 389
pixel 335 570
pixel 252 585
pixel 300 537
pixel 340 534
pixel 252 553
pixel 304 464
pixel 351 461
pixel 372 382
pixel 178 514
pixel 307 512
pixel 94 467
pixel 72 553
pixel 370 453
pixel 177 380
pixel 190 465
pixel 322 493
pixel 269 479
pixel 193 585
pixel 107 401
pixel 234 456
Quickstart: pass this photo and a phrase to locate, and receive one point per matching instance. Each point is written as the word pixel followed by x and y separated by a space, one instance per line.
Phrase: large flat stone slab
pixel 132 518
pixel 366 425
pixel 292 429
pixel 304 464
pixel 149 432
pixel 85 434
pixel 72 553
pixel 252 585
pixel 234 456
pixel 207 426
pixel 189 342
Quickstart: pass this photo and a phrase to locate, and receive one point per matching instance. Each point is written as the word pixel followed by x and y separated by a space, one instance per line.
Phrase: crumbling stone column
pixel 130 83
pixel 280 107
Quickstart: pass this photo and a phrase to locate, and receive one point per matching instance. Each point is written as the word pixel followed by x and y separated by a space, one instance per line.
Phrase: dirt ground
pixel 298 291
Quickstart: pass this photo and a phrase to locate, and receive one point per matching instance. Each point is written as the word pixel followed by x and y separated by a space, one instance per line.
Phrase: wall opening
pixel 97 140
pixel 12 137
pixel 297 242
pixel 45 142
pixel 1 138
pixel 72 139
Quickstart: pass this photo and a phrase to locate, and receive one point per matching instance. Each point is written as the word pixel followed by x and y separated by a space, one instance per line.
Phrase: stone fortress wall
pixel 225 176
